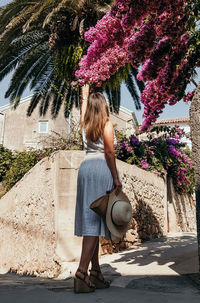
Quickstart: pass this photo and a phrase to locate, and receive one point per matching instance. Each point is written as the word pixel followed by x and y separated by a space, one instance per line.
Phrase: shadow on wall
pixel 145 226
pixel 182 207
pixel 146 223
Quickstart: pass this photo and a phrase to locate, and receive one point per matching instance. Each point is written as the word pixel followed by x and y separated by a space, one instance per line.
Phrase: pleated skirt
pixel 94 180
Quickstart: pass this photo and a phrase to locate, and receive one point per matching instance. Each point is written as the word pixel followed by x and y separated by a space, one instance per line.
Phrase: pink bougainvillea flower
pixel 150 34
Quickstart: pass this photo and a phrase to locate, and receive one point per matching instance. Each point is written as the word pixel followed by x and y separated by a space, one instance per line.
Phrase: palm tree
pixel 43 42
pixel 112 87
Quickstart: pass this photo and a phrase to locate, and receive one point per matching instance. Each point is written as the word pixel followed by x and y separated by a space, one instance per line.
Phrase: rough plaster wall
pixel 27 229
pixel 148 202
pixel 147 193
pixel 181 210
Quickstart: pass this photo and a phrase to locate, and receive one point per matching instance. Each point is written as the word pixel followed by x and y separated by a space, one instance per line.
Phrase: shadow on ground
pixel 162 251
pixel 123 269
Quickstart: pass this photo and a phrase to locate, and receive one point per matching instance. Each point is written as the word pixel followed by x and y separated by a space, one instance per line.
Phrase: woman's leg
pixel 88 248
pixel 95 262
pixel 96 275
pixel 95 257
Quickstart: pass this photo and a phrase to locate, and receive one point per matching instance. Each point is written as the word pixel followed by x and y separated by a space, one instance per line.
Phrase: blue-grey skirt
pixel 94 180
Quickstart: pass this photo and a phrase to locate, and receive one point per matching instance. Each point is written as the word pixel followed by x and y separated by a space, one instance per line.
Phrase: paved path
pixel 162 270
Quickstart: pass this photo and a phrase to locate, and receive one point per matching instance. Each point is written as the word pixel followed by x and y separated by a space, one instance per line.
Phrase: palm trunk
pixel 195 137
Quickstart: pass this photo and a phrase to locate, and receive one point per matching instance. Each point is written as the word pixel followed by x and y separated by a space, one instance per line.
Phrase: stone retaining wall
pixel 37 214
pixel 181 210
pixel 147 193
pixel 27 224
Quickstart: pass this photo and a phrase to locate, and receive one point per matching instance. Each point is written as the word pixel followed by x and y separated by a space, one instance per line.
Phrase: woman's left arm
pixel 108 137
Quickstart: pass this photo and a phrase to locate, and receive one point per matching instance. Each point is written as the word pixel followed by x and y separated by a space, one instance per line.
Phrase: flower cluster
pixel 105 55
pixel 188 97
pixel 151 33
pixel 158 92
pixel 141 44
pixel 164 154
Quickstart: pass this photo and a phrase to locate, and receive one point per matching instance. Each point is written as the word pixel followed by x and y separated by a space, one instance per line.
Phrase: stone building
pixel 19 132
pixel 183 123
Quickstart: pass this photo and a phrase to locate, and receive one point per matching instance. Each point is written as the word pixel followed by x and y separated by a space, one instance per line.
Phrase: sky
pixel 4 2
pixel 181 109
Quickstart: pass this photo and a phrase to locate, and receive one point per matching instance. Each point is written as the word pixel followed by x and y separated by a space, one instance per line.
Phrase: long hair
pixel 96 116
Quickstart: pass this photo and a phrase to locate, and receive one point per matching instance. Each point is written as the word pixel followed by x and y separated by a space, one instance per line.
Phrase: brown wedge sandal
pixel 97 279
pixel 81 285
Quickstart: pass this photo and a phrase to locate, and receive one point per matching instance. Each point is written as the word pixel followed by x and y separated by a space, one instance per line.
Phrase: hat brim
pixel 116 230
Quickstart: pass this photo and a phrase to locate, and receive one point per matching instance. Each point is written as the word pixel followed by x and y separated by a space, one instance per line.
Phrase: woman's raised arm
pixel 85 94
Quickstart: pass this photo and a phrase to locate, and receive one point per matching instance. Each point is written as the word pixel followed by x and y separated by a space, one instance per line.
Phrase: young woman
pixel 97 174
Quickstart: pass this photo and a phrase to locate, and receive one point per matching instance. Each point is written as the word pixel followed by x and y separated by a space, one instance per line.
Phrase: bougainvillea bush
pixel 163 154
pixel 160 36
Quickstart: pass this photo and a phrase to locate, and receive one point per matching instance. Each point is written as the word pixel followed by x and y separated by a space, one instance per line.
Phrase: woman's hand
pixel 118 186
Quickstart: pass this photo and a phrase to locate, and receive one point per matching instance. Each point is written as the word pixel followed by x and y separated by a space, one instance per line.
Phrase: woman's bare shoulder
pixel 108 130
pixel 108 125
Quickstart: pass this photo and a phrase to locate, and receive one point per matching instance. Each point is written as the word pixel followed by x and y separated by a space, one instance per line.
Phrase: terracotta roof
pixel 170 121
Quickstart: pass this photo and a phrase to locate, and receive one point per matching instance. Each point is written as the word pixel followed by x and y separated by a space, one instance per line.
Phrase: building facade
pixel 19 132
pixel 183 123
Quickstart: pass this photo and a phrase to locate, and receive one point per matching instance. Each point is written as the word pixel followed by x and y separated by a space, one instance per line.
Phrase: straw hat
pixel 118 214
pixel 116 211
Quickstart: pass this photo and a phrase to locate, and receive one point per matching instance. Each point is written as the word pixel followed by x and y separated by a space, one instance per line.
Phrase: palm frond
pixel 33 103
pixel 17 50
pixel 43 84
pixel 112 87
pixel 44 104
pixel 67 101
pixel 140 84
pixel 40 70
pixel 12 30
pixel 13 9
pixel 63 3
pixel 25 71
pixel 41 90
pixel 116 96
pixel 108 93
pixel 58 97
pixel 47 5
pixel 133 91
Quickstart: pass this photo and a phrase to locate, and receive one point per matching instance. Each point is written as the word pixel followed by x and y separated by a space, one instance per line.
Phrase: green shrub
pixel 6 158
pixel 14 165
pixel 21 163
pixel 163 154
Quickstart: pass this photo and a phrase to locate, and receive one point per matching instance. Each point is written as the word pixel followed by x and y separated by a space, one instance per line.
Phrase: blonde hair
pixel 96 116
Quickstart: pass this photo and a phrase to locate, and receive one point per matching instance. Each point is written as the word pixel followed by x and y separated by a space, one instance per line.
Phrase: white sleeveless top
pixel 93 148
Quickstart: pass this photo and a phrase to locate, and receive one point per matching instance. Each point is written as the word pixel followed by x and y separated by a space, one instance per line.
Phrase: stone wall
pixel 27 224
pixel 147 193
pixel 37 214
pixel 181 210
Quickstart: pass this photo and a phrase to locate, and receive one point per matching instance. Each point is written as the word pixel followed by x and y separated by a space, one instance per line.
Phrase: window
pixel 43 127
